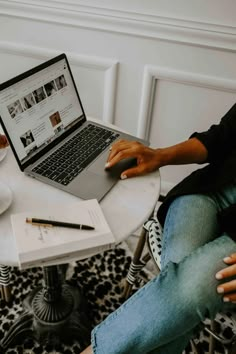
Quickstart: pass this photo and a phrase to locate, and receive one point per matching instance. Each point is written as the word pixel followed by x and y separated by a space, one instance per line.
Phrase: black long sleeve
pixel 220 139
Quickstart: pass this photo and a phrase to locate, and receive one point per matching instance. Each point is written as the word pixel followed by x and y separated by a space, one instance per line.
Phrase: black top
pixel 220 142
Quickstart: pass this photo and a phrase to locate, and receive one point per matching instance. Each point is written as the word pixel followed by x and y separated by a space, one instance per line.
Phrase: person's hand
pixel 228 289
pixel 147 158
pixel 3 141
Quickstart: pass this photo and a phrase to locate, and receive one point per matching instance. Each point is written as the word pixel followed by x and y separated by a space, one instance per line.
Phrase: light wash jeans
pixel 160 318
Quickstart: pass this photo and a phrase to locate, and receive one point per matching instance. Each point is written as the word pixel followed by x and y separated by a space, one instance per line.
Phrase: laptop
pixel 43 118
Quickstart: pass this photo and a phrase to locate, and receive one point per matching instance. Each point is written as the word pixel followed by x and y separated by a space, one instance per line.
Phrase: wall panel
pixel 158 69
pixel 174 104
pixel 95 77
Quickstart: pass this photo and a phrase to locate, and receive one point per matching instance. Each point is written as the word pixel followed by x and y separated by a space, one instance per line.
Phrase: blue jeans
pixel 160 318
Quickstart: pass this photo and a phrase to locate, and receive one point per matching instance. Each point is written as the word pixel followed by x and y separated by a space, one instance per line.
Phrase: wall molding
pixel 109 66
pixel 154 73
pixel 122 21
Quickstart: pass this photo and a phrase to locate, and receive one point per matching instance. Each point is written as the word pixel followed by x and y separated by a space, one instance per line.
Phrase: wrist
pixel 162 157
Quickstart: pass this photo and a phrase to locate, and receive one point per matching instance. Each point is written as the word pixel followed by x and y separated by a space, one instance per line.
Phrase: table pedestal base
pixel 52 314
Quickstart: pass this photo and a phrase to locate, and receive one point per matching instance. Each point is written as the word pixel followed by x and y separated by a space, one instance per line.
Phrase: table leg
pixel 53 313
pixel 5 291
pixel 5 288
pixel 136 265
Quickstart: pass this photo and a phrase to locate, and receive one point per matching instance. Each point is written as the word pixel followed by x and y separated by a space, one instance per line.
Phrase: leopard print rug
pixel 101 279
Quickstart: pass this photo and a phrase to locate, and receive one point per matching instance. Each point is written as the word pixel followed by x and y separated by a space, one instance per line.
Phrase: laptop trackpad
pixel 90 185
pixel 98 167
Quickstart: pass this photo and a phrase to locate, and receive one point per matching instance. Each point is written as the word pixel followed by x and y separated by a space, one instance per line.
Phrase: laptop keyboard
pixel 70 160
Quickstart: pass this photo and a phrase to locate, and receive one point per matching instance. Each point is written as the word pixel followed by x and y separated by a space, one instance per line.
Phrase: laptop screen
pixel 39 108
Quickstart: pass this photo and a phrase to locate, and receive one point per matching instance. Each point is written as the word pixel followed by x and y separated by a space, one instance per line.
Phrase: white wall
pixel 159 69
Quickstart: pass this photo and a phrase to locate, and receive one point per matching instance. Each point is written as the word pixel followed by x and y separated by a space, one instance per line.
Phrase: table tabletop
pixel 128 204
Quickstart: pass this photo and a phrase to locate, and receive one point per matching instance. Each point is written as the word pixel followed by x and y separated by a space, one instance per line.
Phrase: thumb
pixel 131 172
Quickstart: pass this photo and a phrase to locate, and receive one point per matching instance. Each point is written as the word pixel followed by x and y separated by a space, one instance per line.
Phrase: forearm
pixel 150 159
pixel 187 152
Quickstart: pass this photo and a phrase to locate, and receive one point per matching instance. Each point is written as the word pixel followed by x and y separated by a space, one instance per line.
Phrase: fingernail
pixel 123 177
pixel 219 276
pixel 227 259
pixel 220 290
pixel 226 299
pixel 107 164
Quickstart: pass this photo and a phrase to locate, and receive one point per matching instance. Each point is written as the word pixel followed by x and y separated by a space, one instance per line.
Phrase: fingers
pixel 231 259
pixel 132 172
pixel 122 149
pixel 146 157
pixel 228 289
pixel 115 157
pixel 230 271
pixel 230 298
pixel 119 146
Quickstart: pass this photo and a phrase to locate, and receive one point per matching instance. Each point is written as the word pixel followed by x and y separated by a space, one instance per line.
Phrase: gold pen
pixel 50 223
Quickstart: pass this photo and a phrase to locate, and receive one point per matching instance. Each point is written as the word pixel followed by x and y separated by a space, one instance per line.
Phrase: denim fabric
pixel 161 317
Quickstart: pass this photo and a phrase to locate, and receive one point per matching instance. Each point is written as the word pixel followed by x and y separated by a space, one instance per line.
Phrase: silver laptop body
pixel 43 118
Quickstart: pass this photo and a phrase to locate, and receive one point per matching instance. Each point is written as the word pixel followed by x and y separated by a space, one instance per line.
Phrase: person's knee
pixel 196 275
pixel 194 281
pixel 190 223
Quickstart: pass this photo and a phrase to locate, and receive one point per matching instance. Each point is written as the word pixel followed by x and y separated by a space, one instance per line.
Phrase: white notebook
pixel 40 245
